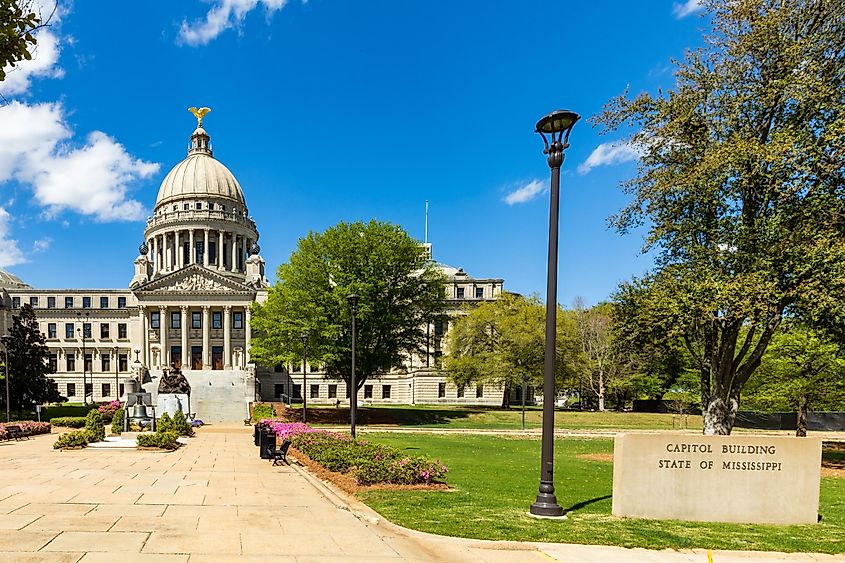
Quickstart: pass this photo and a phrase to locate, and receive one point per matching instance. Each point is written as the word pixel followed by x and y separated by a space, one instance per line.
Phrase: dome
pixel 199 176
pixel 8 280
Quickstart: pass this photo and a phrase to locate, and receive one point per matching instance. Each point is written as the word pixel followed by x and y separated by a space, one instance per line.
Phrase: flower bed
pixel 107 410
pixel 28 427
pixel 369 464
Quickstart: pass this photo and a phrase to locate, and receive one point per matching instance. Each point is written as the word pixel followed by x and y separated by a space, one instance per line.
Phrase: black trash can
pixel 268 443
pixel 257 433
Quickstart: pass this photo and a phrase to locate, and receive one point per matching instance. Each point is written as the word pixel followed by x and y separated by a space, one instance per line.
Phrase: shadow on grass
pixel 585 503
pixel 385 415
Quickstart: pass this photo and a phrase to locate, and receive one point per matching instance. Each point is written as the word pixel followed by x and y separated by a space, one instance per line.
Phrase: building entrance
pixel 216 357
pixel 176 356
pixel 196 357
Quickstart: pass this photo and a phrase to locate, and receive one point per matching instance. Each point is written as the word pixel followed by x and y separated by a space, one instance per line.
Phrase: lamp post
pixel 353 391
pixel 81 331
pixel 304 338
pixel 557 125
pixel 5 340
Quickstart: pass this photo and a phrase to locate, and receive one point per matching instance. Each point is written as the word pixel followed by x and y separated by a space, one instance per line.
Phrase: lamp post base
pixel 546 505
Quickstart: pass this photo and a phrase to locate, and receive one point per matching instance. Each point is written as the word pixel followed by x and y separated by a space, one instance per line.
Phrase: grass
pixel 495 479
pixel 487 418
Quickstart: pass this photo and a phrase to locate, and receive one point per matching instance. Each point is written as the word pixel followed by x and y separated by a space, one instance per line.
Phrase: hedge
pixel 163 440
pixel 69 421
pixel 370 464
pixel 262 411
pixel 94 426
pixel 77 438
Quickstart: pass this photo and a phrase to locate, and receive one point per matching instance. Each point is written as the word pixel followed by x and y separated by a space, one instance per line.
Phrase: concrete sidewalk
pixel 214 500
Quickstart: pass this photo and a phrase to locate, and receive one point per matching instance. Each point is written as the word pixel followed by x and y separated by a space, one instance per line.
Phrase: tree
pixel 19 19
pixel 741 187
pixel 603 366
pixel 802 367
pixel 28 364
pixel 400 291
pixel 501 342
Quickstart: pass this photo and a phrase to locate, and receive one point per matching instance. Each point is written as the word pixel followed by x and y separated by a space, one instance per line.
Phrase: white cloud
pixel 526 192
pixel 93 179
pixel 10 254
pixel 683 9
pixel 45 55
pixel 225 14
pixel 41 245
pixel 610 153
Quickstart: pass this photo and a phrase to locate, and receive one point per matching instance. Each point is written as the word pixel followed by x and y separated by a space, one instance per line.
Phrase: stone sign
pixel 744 479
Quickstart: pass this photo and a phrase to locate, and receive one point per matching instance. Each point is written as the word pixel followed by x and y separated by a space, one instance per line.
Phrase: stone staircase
pixel 216 395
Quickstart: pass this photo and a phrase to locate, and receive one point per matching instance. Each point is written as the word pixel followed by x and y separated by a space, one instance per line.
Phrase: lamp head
pixel 557 125
pixel 304 337
pixel 353 301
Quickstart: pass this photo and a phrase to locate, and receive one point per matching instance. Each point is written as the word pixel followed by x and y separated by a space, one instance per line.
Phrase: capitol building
pixel 198 271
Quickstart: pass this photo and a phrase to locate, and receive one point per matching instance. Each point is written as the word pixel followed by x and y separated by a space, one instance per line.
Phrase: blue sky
pixel 333 110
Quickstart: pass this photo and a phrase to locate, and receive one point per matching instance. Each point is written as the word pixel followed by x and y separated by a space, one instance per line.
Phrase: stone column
pixel 234 252
pixel 205 259
pixel 243 250
pixel 192 249
pixel 171 258
pixel 180 254
pixel 186 353
pixel 220 253
pixel 247 333
pixel 227 337
pixel 162 330
pixel 206 336
pixel 142 313
pixel 156 261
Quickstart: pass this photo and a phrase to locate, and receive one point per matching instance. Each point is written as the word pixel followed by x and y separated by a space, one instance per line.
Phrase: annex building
pixel 197 273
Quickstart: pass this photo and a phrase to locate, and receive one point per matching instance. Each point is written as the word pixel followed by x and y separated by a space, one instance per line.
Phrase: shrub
pixel 107 410
pixel 180 425
pixel 94 426
pixel 28 427
pixel 164 424
pixel 261 411
pixel 163 440
pixel 76 438
pixel 69 421
pixel 117 422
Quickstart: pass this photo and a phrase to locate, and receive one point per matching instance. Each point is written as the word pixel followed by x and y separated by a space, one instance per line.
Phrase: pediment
pixel 195 280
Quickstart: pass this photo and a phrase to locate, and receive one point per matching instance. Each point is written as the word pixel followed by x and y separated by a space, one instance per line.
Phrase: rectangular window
pixel 460 391
pixel 86 302
pixel 199 205
pixel 212 252
pixel 438 327
pixel 216 319
pixel 278 368
pixel 51 330
pixel 71 364
pixel 104 330
pixel 196 320
pixel 51 302
pixel 89 363
pixel 54 363
pixel 385 391
pixel 105 364
pixel 332 391
pixel 68 330
pixel 237 320
pixel 296 368
pixel 104 302
pixel 106 389
pixel 121 330
pixel 460 294
pixel 71 389
pixel 186 206
pixel 122 364
pixel 314 367
pixel 89 389
pixel 200 250
pixel 120 389
pixel 479 293
pixel 278 390
pixel 368 391
pixel 155 319
pixel 86 330
pixel 68 302
pixel 16 302
pixel 441 390
pixel 297 391
pixel 33 301
pixel 479 391
pixel 175 320
pixel 121 302
pixel 314 391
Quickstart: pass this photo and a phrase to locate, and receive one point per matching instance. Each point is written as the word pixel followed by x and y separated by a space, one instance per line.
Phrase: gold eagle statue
pixel 199 114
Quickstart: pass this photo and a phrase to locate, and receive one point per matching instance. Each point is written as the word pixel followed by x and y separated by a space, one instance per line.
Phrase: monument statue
pixel 172 381
pixel 199 114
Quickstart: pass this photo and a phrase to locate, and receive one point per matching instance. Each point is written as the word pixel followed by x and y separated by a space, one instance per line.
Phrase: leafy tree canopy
pixel 401 292
pixel 741 187
pixel 18 21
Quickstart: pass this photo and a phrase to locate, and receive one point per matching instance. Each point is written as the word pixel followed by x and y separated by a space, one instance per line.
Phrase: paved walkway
pixel 214 500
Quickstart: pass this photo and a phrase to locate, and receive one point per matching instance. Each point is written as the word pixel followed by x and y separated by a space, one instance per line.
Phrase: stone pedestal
pixel 170 403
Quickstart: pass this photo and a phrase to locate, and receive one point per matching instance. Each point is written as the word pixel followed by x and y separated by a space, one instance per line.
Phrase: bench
pixel 280 453
pixel 15 432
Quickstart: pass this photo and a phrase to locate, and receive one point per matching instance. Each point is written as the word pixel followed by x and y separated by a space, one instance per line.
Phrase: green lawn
pixel 475 417
pixel 495 479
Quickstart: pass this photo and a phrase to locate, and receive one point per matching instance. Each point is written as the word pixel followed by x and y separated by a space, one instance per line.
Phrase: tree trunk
pixel 719 416
pixel 506 397
pixel 601 391
pixel 803 405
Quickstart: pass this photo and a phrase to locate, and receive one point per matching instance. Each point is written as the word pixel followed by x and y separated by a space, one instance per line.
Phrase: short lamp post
pixel 5 339
pixel 557 125
pixel 304 338
pixel 353 391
